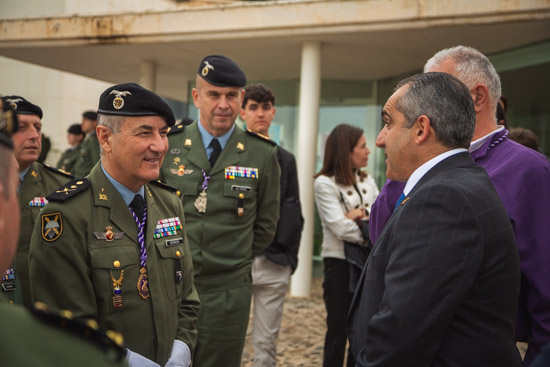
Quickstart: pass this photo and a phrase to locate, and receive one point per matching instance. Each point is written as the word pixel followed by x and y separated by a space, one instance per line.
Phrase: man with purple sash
pixel 522 179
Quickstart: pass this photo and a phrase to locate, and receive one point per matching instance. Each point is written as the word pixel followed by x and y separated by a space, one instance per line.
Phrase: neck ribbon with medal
pixel 143 282
pixel 200 203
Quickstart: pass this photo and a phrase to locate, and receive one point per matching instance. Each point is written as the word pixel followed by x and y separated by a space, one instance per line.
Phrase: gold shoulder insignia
pixel 58 171
pixel 69 190
pixel 260 136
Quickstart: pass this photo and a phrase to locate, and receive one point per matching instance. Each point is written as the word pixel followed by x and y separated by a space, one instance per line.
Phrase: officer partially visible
pixel 37 337
pixel 68 159
pixel 89 149
pixel 229 179
pixel 36 181
pixel 112 246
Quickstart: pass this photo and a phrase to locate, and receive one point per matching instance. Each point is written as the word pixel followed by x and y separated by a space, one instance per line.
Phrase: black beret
pixel 21 106
pixel 75 129
pixel 131 99
pixel 221 71
pixel 90 115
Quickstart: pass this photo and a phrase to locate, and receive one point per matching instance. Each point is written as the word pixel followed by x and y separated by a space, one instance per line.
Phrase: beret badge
pixel 206 68
pixel 13 102
pixel 118 102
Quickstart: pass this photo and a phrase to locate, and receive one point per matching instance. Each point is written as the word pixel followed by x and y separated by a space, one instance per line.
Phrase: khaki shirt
pixel 75 268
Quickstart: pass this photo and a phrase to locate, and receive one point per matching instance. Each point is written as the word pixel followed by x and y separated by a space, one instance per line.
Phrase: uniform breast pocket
pixel 171 254
pixel 112 267
pixel 240 197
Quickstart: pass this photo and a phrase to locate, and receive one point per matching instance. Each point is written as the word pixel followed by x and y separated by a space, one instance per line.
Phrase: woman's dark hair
pixel 337 162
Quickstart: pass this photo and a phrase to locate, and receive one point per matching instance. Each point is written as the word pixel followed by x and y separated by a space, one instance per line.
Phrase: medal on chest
pixel 143 284
pixel 117 292
pixel 200 202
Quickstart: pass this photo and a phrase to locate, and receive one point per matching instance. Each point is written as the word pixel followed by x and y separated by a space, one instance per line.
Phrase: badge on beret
pixel 118 102
pixel 52 226
pixel 206 68
pixel 13 102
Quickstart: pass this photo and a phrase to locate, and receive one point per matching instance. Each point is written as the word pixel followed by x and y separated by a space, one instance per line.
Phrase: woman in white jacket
pixel 344 195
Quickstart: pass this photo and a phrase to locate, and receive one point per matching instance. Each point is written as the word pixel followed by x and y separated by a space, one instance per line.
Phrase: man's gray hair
pixel 114 123
pixel 446 101
pixel 472 67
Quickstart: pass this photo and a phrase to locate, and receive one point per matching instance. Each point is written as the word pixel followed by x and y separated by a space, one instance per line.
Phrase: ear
pixel 274 111
pixel 422 129
pixel 104 136
pixel 480 95
pixel 195 94
pixel 242 113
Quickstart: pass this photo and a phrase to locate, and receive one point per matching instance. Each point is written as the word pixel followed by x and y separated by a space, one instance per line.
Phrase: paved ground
pixel 303 328
pixel 302 334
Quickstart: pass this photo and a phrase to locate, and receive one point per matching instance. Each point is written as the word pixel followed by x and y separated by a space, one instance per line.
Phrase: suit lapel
pixel 107 196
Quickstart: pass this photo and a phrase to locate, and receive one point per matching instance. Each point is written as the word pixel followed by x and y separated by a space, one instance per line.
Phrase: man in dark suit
pixel 272 268
pixel 441 286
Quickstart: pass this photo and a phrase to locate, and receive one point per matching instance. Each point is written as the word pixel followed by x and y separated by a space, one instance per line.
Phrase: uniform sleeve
pixel 60 269
pixel 267 210
pixel 189 309
pixel 332 214
pixel 530 220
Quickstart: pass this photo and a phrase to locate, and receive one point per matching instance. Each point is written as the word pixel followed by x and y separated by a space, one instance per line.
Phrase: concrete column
pixel 148 75
pixel 308 121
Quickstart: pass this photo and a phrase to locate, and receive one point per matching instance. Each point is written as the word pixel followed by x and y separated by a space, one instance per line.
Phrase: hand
pixel 357 214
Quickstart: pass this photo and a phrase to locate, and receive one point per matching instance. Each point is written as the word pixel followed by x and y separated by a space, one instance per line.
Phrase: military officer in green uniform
pixel 112 246
pixel 68 159
pixel 89 149
pixel 37 337
pixel 229 179
pixel 36 181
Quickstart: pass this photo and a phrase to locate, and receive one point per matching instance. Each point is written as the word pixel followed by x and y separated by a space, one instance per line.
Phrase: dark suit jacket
pixel 284 249
pixel 442 284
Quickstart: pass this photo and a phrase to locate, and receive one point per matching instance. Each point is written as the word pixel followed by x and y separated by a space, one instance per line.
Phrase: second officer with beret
pixel 112 246
pixel 230 184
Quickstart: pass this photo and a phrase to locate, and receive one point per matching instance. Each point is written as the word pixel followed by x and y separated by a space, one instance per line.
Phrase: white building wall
pixel 62 96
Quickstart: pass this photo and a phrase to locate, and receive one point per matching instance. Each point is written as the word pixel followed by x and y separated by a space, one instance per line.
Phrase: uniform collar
pixel 206 137
pixel 126 193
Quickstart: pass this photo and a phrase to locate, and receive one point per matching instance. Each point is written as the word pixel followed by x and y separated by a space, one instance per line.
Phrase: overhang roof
pixel 361 39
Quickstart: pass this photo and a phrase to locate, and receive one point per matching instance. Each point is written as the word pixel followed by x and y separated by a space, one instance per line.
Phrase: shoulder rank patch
pixel 176 129
pixel 86 329
pixel 52 226
pixel 69 190
pixel 58 171
pixel 164 186
pixel 260 136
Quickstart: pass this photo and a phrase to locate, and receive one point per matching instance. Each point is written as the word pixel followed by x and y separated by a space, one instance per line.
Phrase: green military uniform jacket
pixel 41 338
pixel 74 267
pixel 39 181
pixel 68 159
pixel 89 156
pixel 221 240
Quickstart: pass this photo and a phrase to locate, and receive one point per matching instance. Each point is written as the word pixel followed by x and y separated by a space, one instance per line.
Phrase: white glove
pixel 180 356
pixel 137 360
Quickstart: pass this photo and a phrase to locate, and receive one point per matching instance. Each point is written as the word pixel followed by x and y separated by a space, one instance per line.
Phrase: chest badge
pixel 108 235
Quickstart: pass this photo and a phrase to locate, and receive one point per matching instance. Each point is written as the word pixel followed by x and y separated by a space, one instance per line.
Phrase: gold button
pixel 241 195
pixel 80 182
pixel 116 264
pixel 66 314
pixel 92 324
pixel 178 193
pixel 178 254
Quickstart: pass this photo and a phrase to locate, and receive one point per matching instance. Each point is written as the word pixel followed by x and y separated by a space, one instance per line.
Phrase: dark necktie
pixel 216 152
pixel 137 206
